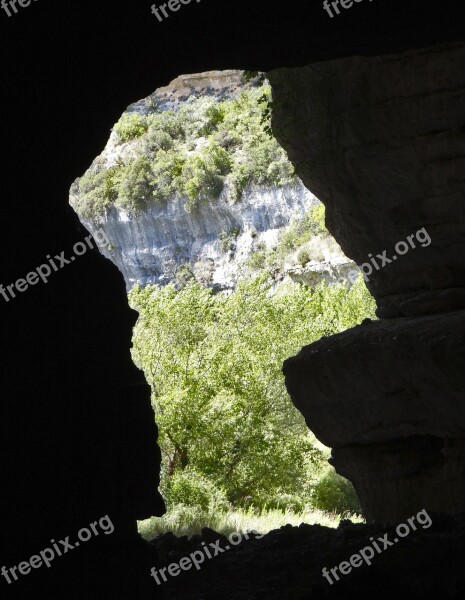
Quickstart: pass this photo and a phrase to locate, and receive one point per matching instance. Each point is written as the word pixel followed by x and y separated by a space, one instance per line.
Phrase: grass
pixel 184 520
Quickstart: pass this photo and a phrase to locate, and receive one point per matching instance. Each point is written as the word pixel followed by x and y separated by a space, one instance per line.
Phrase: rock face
pixel 381 142
pixel 388 400
pixel 215 240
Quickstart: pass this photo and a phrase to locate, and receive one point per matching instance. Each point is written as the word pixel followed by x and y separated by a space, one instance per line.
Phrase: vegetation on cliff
pixel 205 146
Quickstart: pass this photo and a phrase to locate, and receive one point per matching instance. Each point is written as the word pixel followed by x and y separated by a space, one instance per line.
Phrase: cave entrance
pixel 228 262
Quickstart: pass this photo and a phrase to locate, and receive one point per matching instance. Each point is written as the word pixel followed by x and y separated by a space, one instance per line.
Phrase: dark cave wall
pixel 78 437
pixel 381 141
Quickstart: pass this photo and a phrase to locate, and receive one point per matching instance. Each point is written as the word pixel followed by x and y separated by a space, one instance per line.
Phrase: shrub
pixel 130 126
pixel 158 139
pixel 226 138
pixel 203 174
pixel 249 75
pixel 318 218
pixel 184 274
pixel 225 241
pixel 95 191
pixel 257 259
pixel 334 493
pixel 298 233
pixel 167 172
pixel 195 151
pixel 303 257
pixel 281 171
pixel 241 177
pixel 169 122
pixel 190 488
pixel 226 238
pixel 286 503
pixel 215 115
pixel 135 189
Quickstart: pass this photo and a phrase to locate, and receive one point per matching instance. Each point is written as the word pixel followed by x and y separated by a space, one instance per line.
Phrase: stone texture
pixel 387 396
pixel 383 380
pixel 394 479
pixel 287 564
pixel 381 141
pixel 149 248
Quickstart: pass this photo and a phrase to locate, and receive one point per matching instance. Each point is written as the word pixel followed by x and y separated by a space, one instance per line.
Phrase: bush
pixel 184 274
pixel 286 503
pixel 95 191
pixel 203 175
pixel 215 115
pixel 225 241
pixel 334 493
pixel 130 126
pixel 257 259
pixel 318 217
pixel 303 257
pixel 167 173
pixel 158 139
pixel 135 189
pixel 226 238
pixel 171 123
pixel 298 233
pixel 190 488
pixel 195 151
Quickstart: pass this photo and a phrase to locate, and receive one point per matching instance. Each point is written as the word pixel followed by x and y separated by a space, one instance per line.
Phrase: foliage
pixel 166 174
pixel 94 192
pixel 293 238
pixel 130 126
pixel 318 219
pixel 134 190
pixel 303 257
pixel 184 274
pixel 226 238
pixel 334 492
pixel 214 365
pixel 190 488
pixel 205 146
pixel 203 175
pixel 300 231
pixel 257 260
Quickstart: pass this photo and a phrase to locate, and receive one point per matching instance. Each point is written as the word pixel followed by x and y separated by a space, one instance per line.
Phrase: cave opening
pixel 228 262
pixel 87 447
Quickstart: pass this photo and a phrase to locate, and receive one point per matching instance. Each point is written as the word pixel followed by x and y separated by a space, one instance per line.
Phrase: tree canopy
pixel 214 364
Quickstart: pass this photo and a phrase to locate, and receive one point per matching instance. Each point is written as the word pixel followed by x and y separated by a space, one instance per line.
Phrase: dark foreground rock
pixel 386 396
pixel 380 141
pixel 287 564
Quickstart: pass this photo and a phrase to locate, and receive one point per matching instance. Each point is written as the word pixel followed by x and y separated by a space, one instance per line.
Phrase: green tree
pixel 214 364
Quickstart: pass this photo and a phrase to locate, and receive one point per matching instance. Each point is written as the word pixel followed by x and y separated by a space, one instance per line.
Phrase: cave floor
pixel 287 564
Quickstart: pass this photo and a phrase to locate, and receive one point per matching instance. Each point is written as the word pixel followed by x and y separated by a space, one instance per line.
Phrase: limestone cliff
pixel 160 231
